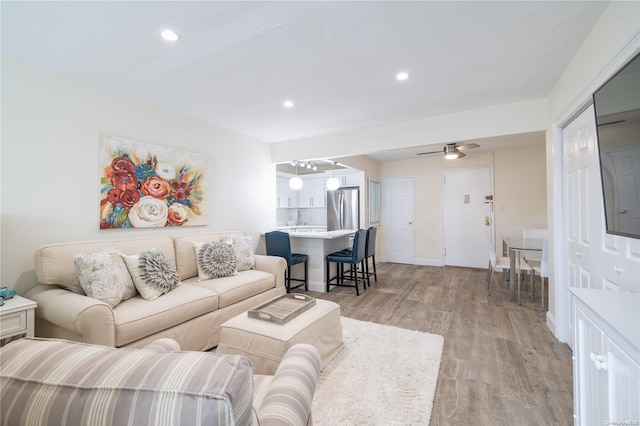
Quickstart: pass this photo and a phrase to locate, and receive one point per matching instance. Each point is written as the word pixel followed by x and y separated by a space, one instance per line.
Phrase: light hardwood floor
pixel 501 365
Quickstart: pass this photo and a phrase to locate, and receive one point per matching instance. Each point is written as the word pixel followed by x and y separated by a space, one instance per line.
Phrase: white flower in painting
pixel 178 214
pixel 166 171
pixel 149 212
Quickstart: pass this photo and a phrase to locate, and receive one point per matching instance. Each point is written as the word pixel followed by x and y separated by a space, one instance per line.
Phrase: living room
pixel 52 122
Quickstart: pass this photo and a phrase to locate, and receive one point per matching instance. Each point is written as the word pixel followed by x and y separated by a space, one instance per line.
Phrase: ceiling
pixel 236 62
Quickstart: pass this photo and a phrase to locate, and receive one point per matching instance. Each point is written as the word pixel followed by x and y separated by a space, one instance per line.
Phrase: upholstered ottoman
pixel 265 343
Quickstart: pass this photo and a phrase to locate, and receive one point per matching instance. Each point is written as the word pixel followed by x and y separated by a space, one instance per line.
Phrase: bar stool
pixel 370 253
pixel 354 257
pixel 278 244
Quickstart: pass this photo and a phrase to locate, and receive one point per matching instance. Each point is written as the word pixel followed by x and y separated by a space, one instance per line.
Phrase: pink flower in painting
pixel 177 214
pixel 155 187
pixel 180 190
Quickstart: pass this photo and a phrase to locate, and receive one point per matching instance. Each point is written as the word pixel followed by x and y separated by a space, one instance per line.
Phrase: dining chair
pixel 543 271
pixel 500 264
pixel 278 244
pixel 503 264
pixel 539 233
pixel 354 257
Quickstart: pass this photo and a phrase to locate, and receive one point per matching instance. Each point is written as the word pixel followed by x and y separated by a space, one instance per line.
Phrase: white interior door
pixel 582 206
pixel 467 216
pixel 399 235
pixel 581 182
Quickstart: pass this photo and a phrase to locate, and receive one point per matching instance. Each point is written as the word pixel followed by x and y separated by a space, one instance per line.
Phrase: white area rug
pixel 383 376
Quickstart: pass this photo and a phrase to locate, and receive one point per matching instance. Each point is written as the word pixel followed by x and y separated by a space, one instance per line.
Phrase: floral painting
pixel 150 186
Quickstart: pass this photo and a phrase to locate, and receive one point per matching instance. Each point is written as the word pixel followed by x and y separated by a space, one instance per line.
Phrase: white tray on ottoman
pixel 265 343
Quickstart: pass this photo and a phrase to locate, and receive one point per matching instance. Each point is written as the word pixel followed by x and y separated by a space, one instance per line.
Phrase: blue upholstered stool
pixel 277 244
pixel 353 257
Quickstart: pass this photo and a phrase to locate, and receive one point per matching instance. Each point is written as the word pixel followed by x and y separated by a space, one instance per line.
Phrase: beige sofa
pixel 191 314
pixel 57 382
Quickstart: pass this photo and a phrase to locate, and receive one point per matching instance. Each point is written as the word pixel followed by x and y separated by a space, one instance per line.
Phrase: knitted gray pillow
pixel 215 260
pixel 152 273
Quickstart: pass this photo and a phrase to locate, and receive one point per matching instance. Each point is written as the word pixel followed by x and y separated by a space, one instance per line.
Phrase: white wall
pixel 616 28
pixel 50 172
pixel 611 42
pixel 520 191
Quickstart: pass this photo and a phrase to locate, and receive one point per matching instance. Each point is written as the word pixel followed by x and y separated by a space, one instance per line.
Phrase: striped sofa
pixel 58 382
pixel 191 314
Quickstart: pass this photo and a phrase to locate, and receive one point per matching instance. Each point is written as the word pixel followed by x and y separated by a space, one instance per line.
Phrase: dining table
pixel 516 246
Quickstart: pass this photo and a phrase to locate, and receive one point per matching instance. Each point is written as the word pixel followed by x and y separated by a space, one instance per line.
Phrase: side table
pixel 17 317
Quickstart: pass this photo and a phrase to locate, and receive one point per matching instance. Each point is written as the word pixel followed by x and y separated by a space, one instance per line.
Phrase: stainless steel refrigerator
pixel 343 208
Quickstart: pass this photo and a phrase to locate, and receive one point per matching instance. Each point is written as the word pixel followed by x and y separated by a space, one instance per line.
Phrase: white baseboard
pixel 551 323
pixel 421 262
pixel 317 286
pixel 428 262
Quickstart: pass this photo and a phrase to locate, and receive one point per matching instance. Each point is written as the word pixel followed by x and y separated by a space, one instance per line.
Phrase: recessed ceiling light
pixel 169 35
pixel 402 76
pixel 288 104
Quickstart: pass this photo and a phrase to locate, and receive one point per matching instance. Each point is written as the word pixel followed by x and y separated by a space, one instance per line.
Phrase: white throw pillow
pixel 104 276
pixel 152 273
pixel 216 259
pixel 243 248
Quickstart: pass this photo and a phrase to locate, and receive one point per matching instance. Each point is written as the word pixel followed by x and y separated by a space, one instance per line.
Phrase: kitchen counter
pixel 303 228
pixel 322 234
pixel 317 244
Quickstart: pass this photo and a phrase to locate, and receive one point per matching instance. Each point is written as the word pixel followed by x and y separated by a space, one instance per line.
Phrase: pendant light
pixel 295 182
pixel 333 183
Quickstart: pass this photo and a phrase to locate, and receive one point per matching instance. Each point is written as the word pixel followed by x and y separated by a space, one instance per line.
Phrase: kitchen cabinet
pixel 350 179
pixel 606 356
pixel 313 192
pixel 285 196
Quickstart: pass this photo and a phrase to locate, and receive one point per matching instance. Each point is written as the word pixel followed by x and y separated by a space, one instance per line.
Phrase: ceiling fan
pixel 453 150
